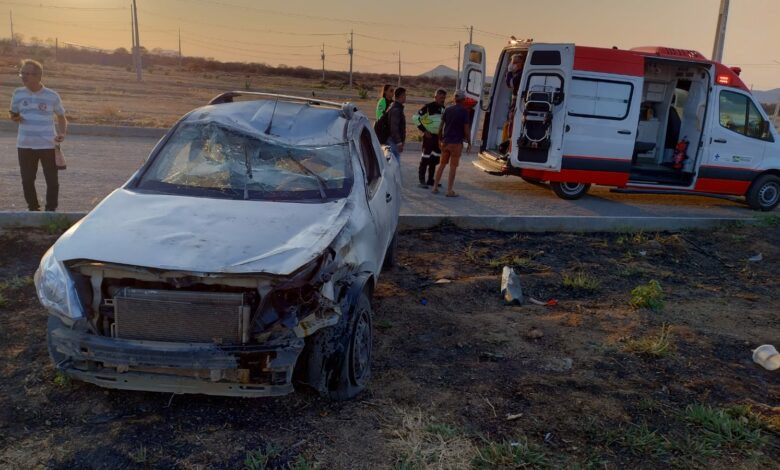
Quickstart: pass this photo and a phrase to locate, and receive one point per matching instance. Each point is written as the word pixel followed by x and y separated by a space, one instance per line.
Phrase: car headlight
pixel 55 290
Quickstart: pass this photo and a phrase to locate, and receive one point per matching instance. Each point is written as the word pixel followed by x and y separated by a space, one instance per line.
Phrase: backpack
pixel 382 127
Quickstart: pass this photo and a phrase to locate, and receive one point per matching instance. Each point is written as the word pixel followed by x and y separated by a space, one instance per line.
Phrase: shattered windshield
pixel 215 160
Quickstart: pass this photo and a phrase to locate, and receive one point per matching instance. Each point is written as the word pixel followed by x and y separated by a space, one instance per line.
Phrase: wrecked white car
pixel 239 260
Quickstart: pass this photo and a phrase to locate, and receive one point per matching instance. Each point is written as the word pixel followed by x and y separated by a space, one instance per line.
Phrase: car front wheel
pixel 764 193
pixel 338 358
pixel 570 190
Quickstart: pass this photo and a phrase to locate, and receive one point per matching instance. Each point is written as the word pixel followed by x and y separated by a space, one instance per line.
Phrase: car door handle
pixel 388 197
pixel 720 141
pixel 624 132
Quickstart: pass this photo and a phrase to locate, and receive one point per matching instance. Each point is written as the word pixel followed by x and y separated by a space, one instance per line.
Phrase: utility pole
pixel 350 50
pixel 322 56
pixel 56 47
pixel 179 47
pixel 137 52
pixel 471 33
pixel 720 31
pixel 457 68
pixel 399 68
pixel 13 38
pixel 132 35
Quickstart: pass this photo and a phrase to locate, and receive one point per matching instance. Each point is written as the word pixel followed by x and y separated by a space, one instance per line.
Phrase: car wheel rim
pixel 571 188
pixel 769 194
pixel 361 353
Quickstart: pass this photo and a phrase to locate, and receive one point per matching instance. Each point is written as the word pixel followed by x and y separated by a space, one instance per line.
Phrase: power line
pixel 62 7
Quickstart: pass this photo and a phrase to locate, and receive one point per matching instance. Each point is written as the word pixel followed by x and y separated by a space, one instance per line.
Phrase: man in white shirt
pixel 34 107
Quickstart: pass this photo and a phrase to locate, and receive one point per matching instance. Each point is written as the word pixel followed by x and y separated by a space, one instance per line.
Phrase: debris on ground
pixel 534 333
pixel 755 259
pixel 767 357
pixel 511 291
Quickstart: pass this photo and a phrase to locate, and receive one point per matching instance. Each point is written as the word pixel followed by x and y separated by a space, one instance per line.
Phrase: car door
pixel 381 179
pixel 548 68
pixel 738 136
pixel 472 78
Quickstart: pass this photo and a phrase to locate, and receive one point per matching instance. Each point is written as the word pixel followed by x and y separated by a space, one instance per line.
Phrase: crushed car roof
pixel 290 122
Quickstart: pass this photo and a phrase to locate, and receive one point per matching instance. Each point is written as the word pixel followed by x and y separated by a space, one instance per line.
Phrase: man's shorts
pixel 450 153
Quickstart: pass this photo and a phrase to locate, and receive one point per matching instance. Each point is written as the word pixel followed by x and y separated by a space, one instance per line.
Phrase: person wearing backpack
pixel 428 119
pixel 397 123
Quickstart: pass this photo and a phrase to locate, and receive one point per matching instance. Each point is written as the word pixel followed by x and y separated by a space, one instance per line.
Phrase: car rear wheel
pixel 764 193
pixel 338 358
pixel 570 190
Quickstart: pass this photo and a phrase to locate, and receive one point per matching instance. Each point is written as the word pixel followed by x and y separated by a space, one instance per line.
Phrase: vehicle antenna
pixel 271 121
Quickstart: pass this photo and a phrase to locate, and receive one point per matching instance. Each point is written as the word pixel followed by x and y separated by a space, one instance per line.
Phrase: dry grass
pixel 422 443
pixel 657 346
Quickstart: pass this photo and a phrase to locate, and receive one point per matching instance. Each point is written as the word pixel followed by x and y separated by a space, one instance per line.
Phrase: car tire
pixel 52 324
pixel 570 191
pixel 338 358
pixel 764 193
pixel 391 253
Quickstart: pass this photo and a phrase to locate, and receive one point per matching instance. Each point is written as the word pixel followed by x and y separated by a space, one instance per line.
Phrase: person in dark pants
pixel 397 123
pixel 34 108
pixel 428 119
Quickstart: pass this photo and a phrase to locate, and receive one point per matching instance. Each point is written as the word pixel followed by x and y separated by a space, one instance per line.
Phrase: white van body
pixel 586 115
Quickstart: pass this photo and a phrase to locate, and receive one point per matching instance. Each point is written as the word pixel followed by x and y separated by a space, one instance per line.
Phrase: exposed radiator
pixel 181 316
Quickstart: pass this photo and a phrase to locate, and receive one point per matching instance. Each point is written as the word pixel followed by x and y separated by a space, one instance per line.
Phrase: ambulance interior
pixel 674 98
pixel 496 134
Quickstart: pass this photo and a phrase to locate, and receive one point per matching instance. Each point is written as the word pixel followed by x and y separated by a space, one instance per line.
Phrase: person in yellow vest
pixel 428 120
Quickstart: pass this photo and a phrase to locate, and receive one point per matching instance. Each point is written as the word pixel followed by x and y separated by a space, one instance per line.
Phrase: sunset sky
pixel 292 32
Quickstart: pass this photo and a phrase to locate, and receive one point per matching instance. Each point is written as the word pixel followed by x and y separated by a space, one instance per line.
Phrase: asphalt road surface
pixel 98 165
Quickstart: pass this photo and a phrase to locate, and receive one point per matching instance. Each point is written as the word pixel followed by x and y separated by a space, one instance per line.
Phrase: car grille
pixel 181 316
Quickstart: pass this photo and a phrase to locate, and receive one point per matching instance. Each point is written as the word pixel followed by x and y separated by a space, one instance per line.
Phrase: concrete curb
pixel 573 224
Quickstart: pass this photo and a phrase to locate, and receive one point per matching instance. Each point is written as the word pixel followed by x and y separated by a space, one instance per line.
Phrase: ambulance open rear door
pixel 538 128
pixel 472 78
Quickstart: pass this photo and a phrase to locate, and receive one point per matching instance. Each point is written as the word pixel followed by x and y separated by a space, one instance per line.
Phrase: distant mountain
pixel 441 71
pixel 768 97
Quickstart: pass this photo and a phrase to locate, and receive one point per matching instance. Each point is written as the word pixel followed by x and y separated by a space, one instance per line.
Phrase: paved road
pixel 97 165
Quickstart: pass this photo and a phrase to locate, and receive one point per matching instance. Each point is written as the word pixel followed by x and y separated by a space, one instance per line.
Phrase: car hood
pixel 204 235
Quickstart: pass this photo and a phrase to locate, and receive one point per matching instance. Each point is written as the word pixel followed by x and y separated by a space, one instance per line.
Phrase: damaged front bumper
pixel 244 371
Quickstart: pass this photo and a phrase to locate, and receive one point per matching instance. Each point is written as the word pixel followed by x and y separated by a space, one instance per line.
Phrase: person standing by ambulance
pixel 397 123
pixel 34 108
pixel 428 120
pixel 455 129
pixel 385 100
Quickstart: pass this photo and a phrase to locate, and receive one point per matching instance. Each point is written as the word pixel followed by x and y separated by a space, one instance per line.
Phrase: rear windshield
pixel 213 160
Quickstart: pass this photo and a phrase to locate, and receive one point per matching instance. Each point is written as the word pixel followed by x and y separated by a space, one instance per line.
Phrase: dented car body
pixel 239 260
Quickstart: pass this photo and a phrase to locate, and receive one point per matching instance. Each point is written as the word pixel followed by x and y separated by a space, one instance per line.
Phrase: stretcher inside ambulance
pixel 650 118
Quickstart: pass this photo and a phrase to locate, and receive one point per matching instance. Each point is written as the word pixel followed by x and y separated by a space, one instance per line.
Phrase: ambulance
pixel 652 119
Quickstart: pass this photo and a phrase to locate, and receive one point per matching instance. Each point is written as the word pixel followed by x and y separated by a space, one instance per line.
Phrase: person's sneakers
pixel 37 209
pixel 430 183
pixel 423 185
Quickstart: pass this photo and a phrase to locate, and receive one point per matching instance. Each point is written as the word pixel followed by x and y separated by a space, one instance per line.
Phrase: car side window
pixel 739 114
pixel 370 162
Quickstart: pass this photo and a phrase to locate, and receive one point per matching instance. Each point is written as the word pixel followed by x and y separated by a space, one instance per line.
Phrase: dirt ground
pixel 459 379
pixel 105 95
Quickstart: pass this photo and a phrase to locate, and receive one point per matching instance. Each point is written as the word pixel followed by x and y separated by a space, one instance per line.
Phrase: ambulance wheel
pixel 764 193
pixel 570 190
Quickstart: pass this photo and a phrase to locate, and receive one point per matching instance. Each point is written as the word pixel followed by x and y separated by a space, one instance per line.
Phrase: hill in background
pixel 440 71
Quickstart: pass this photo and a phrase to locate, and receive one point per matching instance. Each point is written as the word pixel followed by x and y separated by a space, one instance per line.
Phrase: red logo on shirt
pixel 42 106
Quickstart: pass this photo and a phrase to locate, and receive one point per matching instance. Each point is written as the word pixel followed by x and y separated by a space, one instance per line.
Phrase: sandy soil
pixel 95 94
pixel 459 379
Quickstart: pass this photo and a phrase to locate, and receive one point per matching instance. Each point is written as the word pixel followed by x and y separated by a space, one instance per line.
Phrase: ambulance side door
pixel 602 115
pixel 548 67
pixel 472 78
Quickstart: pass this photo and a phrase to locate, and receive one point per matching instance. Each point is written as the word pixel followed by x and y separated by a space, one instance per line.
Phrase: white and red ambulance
pixel 650 118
